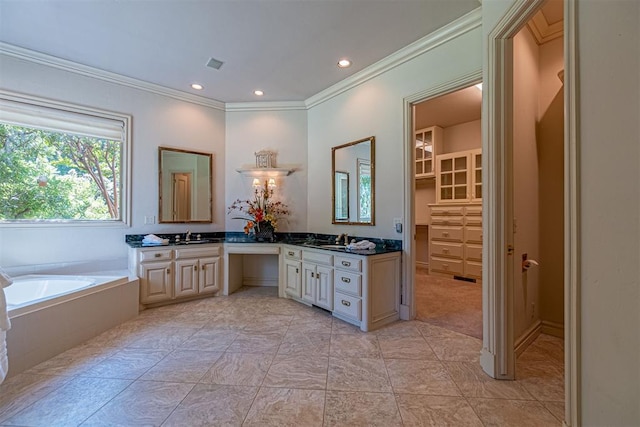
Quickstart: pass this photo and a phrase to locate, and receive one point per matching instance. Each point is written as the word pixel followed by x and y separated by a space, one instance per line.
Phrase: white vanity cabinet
pixel 293 271
pixel 168 274
pixel 317 278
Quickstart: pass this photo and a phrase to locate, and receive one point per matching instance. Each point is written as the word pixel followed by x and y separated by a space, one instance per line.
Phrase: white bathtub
pixel 53 313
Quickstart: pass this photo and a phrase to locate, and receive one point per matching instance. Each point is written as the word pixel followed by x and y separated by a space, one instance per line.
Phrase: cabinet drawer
pixel 473 211
pixel 449 250
pixel 473 234
pixel 447 210
pixel 318 257
pixel 292 253
pixel 198 252
pixel 348 306
pixel 347 263
pixel 473 252
pixel 475 221
pixel 155 255
pixel 350 283
pixel 446 220
pixel 450 234
pixel 449 266
pixel 473 269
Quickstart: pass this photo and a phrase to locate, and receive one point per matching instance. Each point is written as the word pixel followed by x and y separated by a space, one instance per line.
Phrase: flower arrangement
pixel 261 213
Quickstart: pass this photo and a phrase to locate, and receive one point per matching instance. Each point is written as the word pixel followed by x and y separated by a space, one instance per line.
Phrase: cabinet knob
pixel 346 303
pixel 297 271
pixel 346 280
pixel 346 263
pixel 195 268
pixel 168 271
pixel 290 253
pixel 204 267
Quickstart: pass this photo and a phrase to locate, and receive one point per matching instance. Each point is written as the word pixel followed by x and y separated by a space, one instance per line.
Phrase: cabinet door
pixel 186 278
pixel 293 278
pixel 452 179
pixel 476 175
pixel 209 280
pixel 424 152
pixel 324 287
pixel 308 283
pixel 155 282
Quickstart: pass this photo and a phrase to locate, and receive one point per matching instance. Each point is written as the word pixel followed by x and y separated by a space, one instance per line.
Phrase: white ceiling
pixel 462 106
pixel 287 48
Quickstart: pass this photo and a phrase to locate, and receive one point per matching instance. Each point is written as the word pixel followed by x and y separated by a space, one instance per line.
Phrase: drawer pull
pixel 157 255
pixel 195 268
pixel 346 280
pixel 445 266
pixel 346 303
pixel 346 263
pixel 297 271
pixel 445 233
pixel 445 250
pixel 168 271
pixel 203 268
pixel 290 253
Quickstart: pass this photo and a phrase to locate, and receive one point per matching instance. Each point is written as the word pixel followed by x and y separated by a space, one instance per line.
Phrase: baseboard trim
pixel 553 328
pixel 528 337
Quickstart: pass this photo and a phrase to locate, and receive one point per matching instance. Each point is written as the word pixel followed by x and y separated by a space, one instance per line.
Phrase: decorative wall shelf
pixel 265 171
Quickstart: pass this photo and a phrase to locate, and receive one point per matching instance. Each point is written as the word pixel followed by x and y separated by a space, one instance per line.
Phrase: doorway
pixel 448 220
pixel 181 196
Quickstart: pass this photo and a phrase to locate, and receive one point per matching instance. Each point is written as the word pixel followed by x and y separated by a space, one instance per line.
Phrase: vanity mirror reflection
pixel 185 186
pixel 353 182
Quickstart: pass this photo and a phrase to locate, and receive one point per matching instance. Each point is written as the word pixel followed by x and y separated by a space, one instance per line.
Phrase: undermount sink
pixel 327 246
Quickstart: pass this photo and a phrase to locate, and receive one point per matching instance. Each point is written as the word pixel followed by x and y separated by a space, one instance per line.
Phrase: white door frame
pixel 408 306
pixel 497 357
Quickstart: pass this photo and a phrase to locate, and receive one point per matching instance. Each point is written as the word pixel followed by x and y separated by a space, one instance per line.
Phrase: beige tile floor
pixel 252 359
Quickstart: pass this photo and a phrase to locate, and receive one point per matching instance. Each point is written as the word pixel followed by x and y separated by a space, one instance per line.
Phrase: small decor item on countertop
pixel 153 240
pixel 362 245
pixel 261 213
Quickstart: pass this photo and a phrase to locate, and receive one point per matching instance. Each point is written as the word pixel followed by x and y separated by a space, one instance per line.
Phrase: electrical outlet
pixel 150 219
pixel 397 224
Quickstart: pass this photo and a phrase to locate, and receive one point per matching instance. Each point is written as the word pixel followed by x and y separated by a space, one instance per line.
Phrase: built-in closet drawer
pixel 450 234
pixel 449 250
pixel 473 269
pixel 473 211
pixel 473 252
pixel 448 266
pixel 447 220
pixel 447 210
pixel 473 235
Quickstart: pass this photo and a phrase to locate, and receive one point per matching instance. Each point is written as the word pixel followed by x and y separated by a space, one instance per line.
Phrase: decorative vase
pixel 263 232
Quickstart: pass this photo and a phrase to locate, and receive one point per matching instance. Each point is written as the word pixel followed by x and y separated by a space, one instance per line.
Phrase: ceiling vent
pixel 214 63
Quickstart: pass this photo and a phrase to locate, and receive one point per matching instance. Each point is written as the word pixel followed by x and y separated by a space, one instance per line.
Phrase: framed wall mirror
pixel 185 186
pixel 354 182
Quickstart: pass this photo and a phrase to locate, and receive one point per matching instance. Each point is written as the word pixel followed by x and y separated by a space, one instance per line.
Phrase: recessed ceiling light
pixel 197 86
pixel 344 63
pixel 258 92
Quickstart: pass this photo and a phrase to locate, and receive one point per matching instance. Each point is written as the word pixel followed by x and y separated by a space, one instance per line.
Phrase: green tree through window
pixel 46 175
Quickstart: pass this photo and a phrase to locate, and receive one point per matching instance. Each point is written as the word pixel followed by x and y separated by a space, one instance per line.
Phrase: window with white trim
pixel 61 163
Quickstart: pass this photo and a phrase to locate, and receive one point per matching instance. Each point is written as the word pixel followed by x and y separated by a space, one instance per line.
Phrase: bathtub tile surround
pixel 296 378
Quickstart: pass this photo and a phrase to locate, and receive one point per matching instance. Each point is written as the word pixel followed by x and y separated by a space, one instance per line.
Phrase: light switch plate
pixel 150 219
pixel 397 224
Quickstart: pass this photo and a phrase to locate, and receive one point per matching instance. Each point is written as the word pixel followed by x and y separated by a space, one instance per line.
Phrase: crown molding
pixel 543 31
pixel 265 106
pixel 442 35
pixel 63 64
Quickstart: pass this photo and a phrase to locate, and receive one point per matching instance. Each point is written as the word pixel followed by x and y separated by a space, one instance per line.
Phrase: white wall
pixel 462 137
pixel 157 120
pixel 284 132
pixel 609 164
pixel 376 108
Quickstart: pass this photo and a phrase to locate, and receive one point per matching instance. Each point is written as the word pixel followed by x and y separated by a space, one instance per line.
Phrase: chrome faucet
pixel 187 236
pixel 346 239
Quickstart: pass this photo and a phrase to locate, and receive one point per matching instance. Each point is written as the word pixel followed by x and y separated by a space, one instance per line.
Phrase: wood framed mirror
pixel 185 186
pixel 353 182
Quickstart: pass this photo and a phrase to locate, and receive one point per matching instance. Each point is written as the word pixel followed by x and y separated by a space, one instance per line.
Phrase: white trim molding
pixel 74 67
pixel 442 35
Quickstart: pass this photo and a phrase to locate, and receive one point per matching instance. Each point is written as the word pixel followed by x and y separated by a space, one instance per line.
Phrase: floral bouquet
pixel 261 213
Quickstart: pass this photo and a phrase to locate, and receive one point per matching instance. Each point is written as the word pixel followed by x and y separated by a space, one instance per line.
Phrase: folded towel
pixel 5 323
pixel 152 239
pixel 362 245
pixel 5 280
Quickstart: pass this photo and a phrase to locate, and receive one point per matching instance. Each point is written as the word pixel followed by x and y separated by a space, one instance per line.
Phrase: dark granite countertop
pixel 308 240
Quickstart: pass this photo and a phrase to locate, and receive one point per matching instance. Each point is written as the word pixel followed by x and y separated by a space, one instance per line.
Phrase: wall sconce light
pixel 272 183
pixel 256 182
